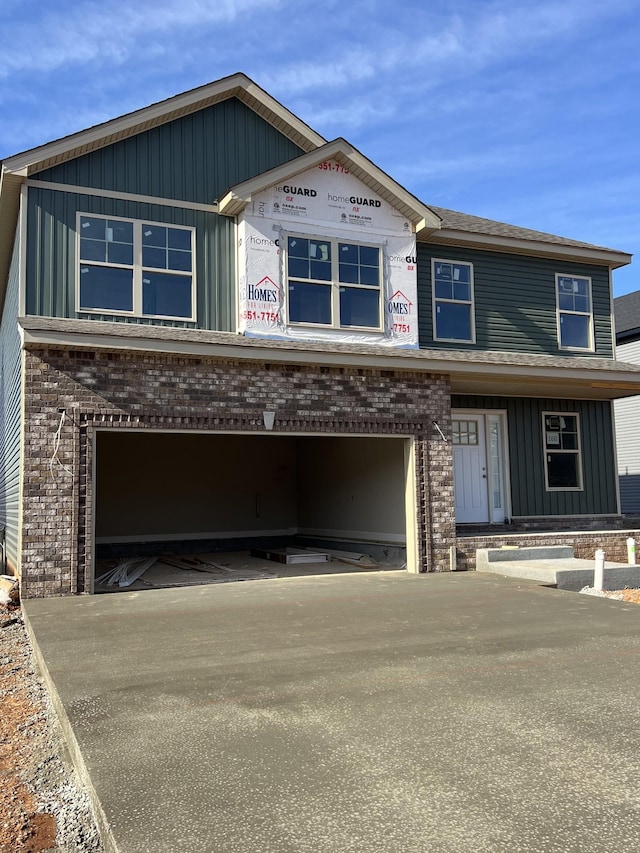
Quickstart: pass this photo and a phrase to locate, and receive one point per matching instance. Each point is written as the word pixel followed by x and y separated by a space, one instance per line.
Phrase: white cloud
pixel 89 32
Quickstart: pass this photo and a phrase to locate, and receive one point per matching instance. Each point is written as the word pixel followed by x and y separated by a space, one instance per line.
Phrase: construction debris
pixel 9 589
pixel 126 572
pixel 352 558
pixel 292 556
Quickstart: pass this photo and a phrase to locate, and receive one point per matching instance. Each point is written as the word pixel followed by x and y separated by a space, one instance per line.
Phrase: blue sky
pixel 526 111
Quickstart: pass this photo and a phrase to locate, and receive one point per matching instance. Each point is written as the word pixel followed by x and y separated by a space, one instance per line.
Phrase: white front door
pixel 470 468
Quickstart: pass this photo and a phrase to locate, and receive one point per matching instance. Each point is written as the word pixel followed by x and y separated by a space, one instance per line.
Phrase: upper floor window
pixel 135 267
pixel 575 323
pixel 332 283
pixel 561 447
pixel 453 315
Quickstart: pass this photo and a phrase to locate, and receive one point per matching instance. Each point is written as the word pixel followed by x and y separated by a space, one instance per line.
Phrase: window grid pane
pixel 562 451
pixel 574 310
pixel 351 296
pixel 115 281
pixel 453 301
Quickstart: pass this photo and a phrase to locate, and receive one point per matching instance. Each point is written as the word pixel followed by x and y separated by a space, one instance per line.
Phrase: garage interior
pixel 208 507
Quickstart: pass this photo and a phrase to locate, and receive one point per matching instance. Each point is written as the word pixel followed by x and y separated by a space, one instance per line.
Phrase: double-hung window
pixel 333 283
pixel 134 267
pixel 561 448
pixel 575 321
pixel 453 316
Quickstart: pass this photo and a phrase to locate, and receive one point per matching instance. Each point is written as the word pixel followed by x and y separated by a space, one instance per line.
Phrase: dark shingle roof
pixel 627 313
pixel 465 222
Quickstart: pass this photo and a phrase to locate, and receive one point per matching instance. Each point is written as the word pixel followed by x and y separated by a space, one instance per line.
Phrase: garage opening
pixel 210 507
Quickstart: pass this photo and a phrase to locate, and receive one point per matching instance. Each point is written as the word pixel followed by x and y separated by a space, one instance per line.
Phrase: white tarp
pixel 324 202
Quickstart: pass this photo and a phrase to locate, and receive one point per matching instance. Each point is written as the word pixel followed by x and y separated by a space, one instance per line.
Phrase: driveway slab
pixel 380 713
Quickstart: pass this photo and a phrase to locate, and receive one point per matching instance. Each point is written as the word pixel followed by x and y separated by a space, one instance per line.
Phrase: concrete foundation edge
pixel 106 835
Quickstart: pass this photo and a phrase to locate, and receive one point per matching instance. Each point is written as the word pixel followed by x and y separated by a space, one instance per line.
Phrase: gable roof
pixel 421 216
pixel 14 169
pixel 433 224
pixel 627 314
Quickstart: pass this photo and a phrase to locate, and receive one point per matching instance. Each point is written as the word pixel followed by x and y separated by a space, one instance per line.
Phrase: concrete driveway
pixel 366 713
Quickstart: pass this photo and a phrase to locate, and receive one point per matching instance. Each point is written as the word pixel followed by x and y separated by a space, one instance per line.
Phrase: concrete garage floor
pixel 380 713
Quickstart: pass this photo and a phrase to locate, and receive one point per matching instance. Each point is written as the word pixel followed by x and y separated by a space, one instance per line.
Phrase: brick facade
pixel 126 390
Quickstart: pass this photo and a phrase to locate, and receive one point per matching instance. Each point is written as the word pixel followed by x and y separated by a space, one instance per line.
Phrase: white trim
pixel 421 216
pixel 615 458
pixel 561 311
pixel 576 452
pixel 470 302
pixel 22 267
pixel 500 416
pixel 350 535
pixel 136 268
pixel 178 537
pixel 411 506
pixel 72 189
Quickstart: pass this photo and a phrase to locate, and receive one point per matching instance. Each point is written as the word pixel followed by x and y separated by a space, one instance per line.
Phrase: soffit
pixel 476 372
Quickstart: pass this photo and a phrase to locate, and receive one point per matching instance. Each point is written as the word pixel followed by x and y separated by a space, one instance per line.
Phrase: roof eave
pixel 421 216
pixel 479 376
pixel 516 245
pixel 236 85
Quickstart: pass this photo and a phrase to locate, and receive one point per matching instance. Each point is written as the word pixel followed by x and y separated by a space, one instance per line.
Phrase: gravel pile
pixel 43 806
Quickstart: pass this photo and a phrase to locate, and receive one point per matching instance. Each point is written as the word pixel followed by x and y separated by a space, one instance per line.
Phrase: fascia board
pixel 10 185
pixel 238 85
pixel 240 195
pixel 515 245
pixel 603 383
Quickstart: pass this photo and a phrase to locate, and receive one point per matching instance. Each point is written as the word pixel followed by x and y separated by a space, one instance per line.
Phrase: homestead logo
pixel 265 290
pixel 399 304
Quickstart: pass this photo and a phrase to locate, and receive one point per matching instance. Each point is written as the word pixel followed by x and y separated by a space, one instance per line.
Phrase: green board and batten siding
pixel 194 159
pixel 51 254
pixel 515 301
pixel 10 413
pixel 529 496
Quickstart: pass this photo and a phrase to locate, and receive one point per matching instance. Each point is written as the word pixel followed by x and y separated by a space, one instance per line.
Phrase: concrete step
pixel 484 556
pixel 564 573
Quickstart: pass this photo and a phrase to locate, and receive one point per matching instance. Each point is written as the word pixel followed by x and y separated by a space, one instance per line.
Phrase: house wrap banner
pixel 324 202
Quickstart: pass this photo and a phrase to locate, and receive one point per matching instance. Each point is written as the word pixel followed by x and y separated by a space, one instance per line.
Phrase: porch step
pixel 554 566
pixel 485 556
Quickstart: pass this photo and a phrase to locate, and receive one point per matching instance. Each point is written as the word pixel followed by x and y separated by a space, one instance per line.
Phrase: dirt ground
pixel 42 804
pixel 43 808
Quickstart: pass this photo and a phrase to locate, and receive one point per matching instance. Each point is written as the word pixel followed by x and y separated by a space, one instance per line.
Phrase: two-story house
pixel 218 327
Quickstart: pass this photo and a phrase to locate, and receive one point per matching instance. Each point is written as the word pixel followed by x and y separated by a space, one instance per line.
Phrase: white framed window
pixel 453 309
pixel 135 267
pixel 333 283
pixel 562 452
pixel 575 316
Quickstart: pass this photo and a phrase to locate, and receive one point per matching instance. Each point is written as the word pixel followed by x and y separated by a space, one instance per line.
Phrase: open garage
pixel 188 492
